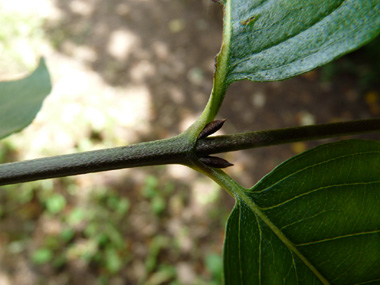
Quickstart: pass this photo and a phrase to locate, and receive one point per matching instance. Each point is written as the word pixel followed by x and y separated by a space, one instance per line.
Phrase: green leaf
pixel 112 260
pixel 42 256
pixel 278 39
pixel 20 100
pixel 56 203
pixel 314 219
pixel 214 264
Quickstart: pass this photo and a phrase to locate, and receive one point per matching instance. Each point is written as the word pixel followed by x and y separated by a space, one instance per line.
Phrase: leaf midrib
pixel 242 196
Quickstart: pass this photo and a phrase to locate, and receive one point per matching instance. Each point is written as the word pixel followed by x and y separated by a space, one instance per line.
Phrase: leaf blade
pixel 269 268
pixel 335 227
pixel 276 40
pixel 20 100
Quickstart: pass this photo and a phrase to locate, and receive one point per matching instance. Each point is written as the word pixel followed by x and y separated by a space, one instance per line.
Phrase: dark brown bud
pixel 211 128
pixel 215 162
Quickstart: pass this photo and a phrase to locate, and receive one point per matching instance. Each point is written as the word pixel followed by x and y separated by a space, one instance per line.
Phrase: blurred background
pixel 126 71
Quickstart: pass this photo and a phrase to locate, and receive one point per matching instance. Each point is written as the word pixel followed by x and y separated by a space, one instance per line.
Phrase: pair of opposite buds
pixel 213 161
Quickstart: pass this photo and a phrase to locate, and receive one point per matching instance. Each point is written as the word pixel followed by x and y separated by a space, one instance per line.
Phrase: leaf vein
pixel 320 189
pixel 337 238
pixel 314 165
pixel 367 282
pixel 305 219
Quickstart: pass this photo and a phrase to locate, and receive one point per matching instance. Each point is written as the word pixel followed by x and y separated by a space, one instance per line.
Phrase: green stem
pixel 219 144
pixel 220 83
pixel 176 150
pixel 181 149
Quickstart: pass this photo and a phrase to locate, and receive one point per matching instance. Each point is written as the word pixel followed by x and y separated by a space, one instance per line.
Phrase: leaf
pixel 56 203
pixel 42 256
pixel 314 219
pixel 112 260
pixel 20 100
pixel 278 39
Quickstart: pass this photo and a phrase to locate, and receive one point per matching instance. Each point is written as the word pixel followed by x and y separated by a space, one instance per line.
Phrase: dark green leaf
pixel 20 100
pixel 278 39
pixel 315 216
